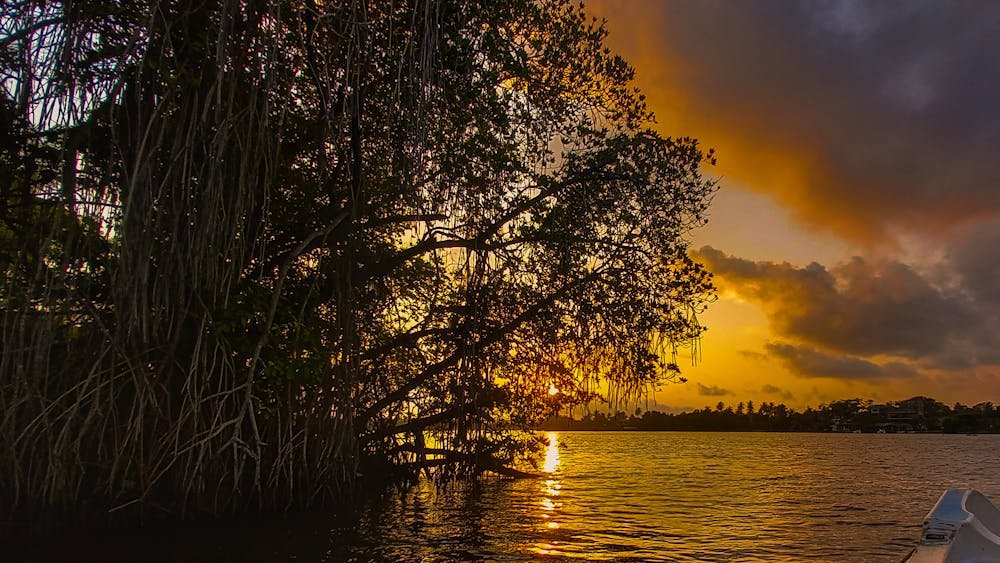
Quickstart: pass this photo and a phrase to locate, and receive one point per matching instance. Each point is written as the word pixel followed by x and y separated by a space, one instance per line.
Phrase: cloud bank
pixel 769 389
pixel 866 319
pixel 712 391
pixel 865 119
pixel 875 122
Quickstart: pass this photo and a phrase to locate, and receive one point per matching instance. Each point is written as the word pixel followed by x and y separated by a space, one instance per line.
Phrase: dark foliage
pixel 918 414
pixel 256 253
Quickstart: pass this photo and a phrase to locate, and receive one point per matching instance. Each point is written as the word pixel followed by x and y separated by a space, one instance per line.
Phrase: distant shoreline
pixel 756 431
pixel 914 415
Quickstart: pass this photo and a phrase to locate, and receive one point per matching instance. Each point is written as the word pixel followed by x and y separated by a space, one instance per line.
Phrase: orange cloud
pixel 862 122
pixel 842 317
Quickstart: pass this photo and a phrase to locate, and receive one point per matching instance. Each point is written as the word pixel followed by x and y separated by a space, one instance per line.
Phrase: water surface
pixel 678 496
pixel 659 496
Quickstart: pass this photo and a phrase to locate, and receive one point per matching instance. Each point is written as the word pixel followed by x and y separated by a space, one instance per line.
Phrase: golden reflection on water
pixel 552 453
pixel 678 496
pixel 550 505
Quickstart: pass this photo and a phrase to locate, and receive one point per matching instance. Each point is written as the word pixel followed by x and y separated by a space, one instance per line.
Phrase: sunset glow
pixel 493 280
pixel 852 247
pixel 551 453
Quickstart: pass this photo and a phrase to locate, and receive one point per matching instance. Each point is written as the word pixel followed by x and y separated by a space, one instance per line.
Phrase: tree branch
pixel 402 392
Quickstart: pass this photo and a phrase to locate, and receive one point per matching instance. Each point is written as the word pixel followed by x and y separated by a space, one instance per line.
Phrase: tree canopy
pixel 253 252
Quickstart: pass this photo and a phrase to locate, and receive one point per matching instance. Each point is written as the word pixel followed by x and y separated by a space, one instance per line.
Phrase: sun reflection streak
pixel 552 453
pixel 550 505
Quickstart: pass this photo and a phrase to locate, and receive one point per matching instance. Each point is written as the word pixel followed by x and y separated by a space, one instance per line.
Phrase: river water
pixel 658 496
pixel 678 496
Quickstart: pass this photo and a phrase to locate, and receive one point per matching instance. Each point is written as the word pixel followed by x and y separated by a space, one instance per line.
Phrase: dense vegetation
pixel 918 414
pixel 255 253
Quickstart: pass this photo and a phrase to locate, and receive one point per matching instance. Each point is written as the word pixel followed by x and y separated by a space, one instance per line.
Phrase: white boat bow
pixel 963 527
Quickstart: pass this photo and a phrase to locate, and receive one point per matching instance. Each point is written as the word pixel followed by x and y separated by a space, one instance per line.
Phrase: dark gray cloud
pixel 809 362
pixel 871 308
pixel 876 121
pixel 888 108
pixel 769 389
pixel 753 355
pixel 974 258
pixel 712 391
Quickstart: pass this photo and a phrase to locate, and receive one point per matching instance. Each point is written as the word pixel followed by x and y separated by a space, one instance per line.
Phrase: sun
pixel 553 389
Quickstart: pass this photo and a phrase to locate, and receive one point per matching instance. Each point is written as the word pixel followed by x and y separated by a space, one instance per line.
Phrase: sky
pixel 855 238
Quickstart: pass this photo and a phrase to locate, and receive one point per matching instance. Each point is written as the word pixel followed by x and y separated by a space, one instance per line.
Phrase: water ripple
pixel 711 497
pixel 629 496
